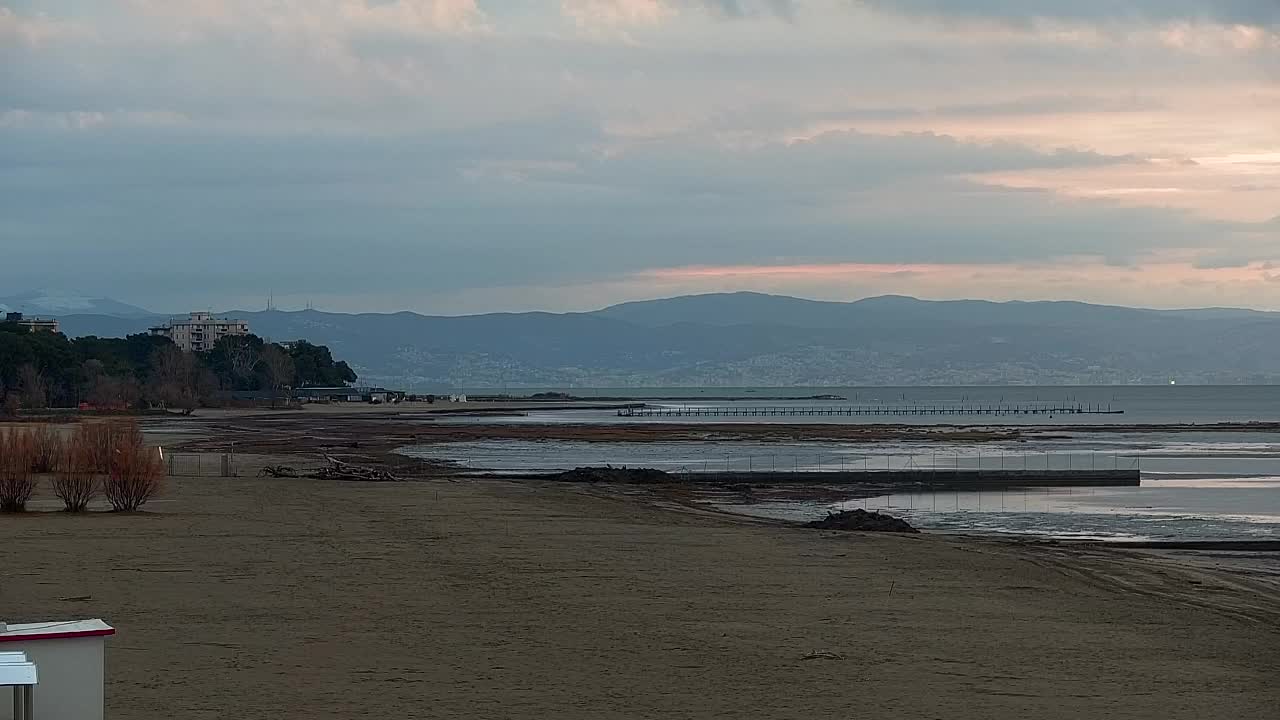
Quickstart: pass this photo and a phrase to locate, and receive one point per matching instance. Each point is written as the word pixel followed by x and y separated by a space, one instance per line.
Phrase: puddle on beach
pixel 1183 510
pixel 1195 488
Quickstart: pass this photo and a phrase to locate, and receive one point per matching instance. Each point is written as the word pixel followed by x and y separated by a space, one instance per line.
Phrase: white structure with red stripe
pixel 70 659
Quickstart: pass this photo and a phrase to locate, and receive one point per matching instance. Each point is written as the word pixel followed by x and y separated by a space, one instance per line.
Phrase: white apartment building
pixel 200 331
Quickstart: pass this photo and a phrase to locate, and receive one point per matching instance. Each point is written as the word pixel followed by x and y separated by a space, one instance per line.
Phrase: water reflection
pixel 1159 510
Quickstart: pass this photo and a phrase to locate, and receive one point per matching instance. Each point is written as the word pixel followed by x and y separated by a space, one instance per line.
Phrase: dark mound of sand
pixel 613 475
pixel 863 521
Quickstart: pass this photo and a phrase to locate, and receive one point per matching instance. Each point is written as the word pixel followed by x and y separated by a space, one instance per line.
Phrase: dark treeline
pixel 42 369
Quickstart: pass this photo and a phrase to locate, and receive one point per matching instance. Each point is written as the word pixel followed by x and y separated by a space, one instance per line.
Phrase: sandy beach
pixel 282 598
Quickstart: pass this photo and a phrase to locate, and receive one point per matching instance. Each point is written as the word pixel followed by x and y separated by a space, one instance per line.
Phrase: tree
pixel 315 366
pixel 8 402
pixel 47 369
pixel 91 371
pixel 32 391
pixel 207 385
pixel 278 368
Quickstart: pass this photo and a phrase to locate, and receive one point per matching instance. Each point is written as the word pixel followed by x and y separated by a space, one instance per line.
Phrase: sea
pixel 1199 482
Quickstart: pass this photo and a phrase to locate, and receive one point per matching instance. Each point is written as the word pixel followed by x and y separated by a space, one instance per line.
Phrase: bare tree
pixel 278 368
pixel 173 378
pixel 105 392
pixel 242 357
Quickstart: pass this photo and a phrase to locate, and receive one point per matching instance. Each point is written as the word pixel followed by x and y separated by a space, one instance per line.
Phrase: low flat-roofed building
pixel 31 324
pixel 347 394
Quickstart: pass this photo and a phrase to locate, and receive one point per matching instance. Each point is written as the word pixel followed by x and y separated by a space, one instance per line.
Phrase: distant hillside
pixel 753 339
pixel 747 308
pixel 54 302
pixel 107 325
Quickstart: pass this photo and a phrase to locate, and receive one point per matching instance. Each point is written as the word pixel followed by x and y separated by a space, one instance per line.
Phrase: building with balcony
pixel 31 324
pixel 200 331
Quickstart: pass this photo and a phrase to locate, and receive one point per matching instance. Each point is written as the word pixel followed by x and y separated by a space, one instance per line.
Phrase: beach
pixel 297 598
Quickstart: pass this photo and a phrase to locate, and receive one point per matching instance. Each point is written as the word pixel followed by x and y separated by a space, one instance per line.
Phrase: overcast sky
pixel 471 155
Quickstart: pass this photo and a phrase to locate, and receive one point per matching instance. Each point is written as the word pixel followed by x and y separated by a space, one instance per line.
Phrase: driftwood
pixel 610 474
pixel 339 470
pixel 861 520
pixel 336 470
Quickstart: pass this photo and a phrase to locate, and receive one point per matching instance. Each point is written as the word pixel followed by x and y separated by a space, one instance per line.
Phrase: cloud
pixel 473 147
pixel 37 30
pixel 526 204
pixel 742 8
pixel 592 14
pixel 828 165
pixel 1220 261
pixel 615 14
pixel 1263 13
pixel 89 120
pixel 325 17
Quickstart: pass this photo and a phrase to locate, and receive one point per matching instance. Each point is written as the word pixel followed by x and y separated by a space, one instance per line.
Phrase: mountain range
pixel 752 339
pixel 46 303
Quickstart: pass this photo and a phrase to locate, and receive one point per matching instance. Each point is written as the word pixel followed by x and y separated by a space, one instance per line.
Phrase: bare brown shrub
pixel 47 449
pixel 96 441
pixel 77 480
pixel 17 483
pixel 135 472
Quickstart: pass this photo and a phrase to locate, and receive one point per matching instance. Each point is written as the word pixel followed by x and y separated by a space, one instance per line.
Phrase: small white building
pixel 200 331
pixel 69 658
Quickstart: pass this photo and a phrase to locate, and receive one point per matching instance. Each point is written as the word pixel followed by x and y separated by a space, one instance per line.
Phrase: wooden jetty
pixel 868 410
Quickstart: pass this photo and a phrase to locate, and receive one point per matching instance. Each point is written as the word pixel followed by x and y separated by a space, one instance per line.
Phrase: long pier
pixel 869 410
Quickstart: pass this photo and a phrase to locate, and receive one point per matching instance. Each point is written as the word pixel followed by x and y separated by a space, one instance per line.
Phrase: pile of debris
pixel 862 521
pixel 336 470
pixel 610 474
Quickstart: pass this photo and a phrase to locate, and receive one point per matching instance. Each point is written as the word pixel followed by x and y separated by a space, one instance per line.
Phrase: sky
pixel 457 156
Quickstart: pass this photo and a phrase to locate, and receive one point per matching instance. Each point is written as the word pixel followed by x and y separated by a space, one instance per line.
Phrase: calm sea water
pixel 1196 484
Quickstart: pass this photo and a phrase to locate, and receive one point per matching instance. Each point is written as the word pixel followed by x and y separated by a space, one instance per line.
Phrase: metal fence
pixel 201 464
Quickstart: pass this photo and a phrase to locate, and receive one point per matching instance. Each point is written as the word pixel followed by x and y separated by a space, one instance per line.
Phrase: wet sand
pixel 258 598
